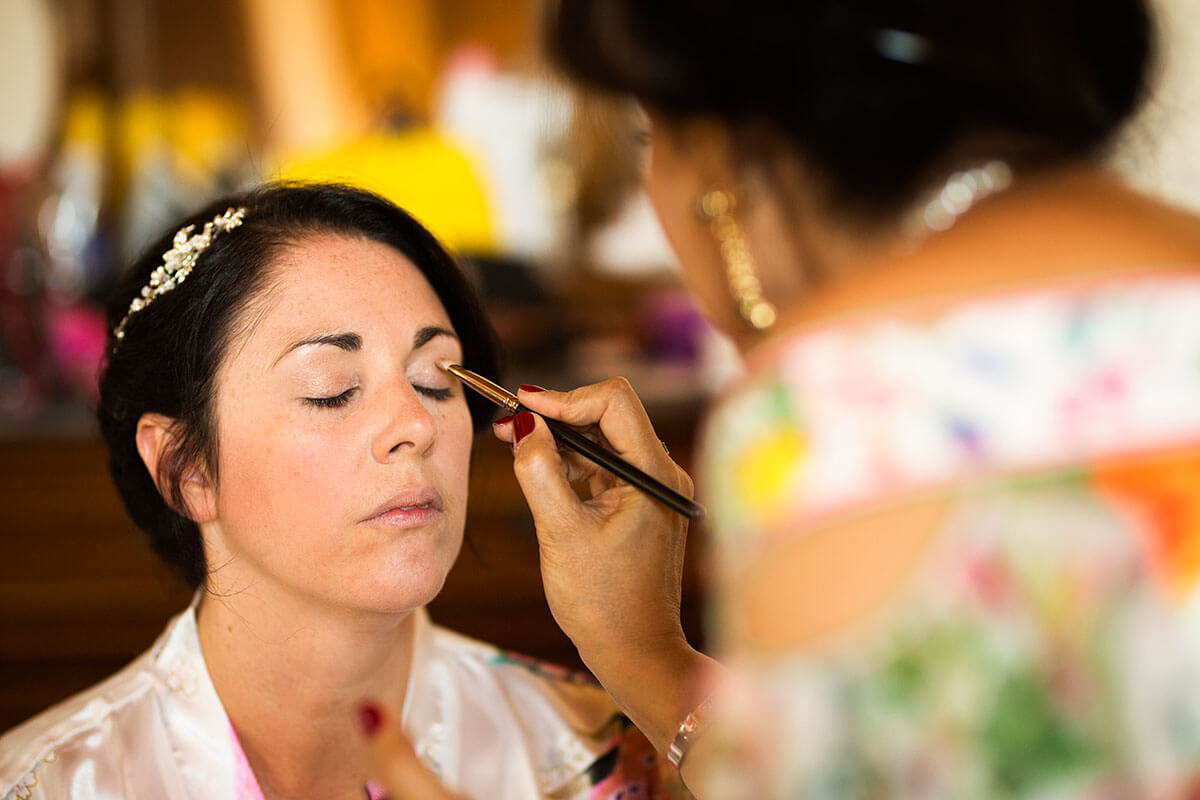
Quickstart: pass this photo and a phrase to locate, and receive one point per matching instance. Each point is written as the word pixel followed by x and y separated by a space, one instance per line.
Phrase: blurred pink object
pixel 76 336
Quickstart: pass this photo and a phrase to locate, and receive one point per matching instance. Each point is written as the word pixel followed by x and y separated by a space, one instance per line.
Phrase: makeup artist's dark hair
pixel 873 94
pixel 168 360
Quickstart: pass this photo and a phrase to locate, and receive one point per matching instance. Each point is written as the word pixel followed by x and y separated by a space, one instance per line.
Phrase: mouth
pixel 408 509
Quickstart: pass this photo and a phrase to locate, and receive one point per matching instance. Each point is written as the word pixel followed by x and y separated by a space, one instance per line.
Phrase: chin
pixel 408 579
pixel 413 593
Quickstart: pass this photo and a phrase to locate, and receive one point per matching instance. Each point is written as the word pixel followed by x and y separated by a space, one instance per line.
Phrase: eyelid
pixel 331 401
pixel 430 375
pixel 436 394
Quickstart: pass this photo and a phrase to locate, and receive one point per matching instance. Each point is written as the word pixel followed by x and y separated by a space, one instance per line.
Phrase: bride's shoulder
pixel 97 726
pixel 515 674
pixel 573 736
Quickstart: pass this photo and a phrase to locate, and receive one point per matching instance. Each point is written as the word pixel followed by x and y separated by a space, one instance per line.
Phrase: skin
pixel 1069 223
pixel 302 565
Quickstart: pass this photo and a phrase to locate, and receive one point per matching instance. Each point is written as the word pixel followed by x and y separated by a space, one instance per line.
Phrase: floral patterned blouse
pixel 1044 640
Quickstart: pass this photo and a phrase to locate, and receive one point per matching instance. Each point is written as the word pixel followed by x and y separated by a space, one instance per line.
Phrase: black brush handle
pixel 622 469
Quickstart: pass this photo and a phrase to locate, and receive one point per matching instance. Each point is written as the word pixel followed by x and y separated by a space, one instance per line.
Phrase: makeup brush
pixel 581 444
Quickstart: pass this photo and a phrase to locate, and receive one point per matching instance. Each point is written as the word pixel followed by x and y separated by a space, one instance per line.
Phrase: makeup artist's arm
pixel 613 565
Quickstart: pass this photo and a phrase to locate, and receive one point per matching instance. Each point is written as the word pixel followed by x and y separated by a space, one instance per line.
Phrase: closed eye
pixel 336 401
pixel 436 394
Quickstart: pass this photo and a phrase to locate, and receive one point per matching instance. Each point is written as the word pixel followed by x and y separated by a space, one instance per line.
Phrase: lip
pixel 409 508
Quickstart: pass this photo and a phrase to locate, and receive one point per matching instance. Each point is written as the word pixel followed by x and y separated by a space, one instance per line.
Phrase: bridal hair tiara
pixel 178 262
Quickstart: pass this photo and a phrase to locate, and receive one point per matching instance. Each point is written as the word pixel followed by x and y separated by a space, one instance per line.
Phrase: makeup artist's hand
pixel 394 762
pixel 612 565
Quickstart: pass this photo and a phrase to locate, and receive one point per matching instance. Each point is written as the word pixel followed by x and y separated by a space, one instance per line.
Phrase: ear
pixel 703 147
pixel 155 438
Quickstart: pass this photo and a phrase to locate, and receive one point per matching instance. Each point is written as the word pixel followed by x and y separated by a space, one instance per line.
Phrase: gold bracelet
pixel 689 731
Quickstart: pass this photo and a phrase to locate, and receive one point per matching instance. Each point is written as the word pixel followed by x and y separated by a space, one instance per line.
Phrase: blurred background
pixel 117 117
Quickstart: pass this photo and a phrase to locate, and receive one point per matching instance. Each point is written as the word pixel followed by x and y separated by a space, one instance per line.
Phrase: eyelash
pixel 337 401
pixel 437 394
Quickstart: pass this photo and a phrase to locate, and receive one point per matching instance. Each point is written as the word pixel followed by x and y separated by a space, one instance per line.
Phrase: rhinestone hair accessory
pixel 178 262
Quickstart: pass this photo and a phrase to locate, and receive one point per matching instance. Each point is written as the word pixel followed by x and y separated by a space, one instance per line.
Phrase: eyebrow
pixel 429 333
pixel 352 342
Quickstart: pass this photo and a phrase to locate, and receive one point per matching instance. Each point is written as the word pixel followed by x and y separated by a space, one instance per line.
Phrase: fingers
pixel 394 762
pixel 540 471
pixel 576 468
pixel 614 409
pixel 612 405
pixel 579 469
pixel 503 429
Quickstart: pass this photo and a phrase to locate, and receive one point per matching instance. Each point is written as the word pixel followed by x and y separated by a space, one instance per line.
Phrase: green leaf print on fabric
pixel 1028 744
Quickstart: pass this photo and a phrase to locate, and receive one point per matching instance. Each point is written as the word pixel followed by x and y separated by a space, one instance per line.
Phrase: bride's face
pixel 343 450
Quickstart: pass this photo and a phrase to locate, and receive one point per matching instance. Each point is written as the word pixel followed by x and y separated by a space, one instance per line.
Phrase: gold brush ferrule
pixel 492 391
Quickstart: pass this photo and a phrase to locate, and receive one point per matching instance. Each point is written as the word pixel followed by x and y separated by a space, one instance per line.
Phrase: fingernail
pixel 370 717
pixel 504 420
pixel 525 387
pixel 524 425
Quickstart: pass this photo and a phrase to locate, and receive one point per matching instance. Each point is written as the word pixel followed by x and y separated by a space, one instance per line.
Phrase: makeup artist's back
pixel 965 536
pixel 956 497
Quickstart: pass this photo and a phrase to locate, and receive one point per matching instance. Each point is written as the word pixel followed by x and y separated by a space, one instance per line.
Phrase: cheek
pixel 274 475
pixel 455 437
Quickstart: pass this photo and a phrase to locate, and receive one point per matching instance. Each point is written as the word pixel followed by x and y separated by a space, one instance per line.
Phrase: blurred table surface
pixel 81 593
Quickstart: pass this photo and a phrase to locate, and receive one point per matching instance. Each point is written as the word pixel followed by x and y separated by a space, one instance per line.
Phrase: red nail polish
pixel 504 420
pixel 524 425
pixel 525 387
pixel 370 717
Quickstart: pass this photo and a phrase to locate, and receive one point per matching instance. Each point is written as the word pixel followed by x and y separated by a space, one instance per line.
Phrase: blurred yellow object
pixel 85 119
pixel 141 136
pixel 207 130
pixel 765 471
pixel 142 125
pixel 418 171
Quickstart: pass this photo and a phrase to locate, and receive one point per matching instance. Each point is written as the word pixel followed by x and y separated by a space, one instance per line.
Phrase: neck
pixel 291 672
pixel 1048 227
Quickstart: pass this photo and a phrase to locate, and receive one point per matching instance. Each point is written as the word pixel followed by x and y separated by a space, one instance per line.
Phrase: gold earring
pixel 716 206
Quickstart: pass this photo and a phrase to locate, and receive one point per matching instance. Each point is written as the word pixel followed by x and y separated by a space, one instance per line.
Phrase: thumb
pixel 394 762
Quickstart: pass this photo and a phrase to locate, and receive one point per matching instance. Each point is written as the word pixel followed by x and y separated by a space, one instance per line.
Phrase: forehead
pixel 327 282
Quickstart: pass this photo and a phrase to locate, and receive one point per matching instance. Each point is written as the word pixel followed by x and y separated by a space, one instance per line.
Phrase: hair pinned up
pixel 872 93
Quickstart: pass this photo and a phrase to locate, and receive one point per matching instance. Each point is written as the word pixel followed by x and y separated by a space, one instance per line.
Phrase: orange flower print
pixel 1161 493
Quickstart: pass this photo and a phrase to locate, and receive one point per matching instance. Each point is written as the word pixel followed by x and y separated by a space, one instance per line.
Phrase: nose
pixel 407 425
